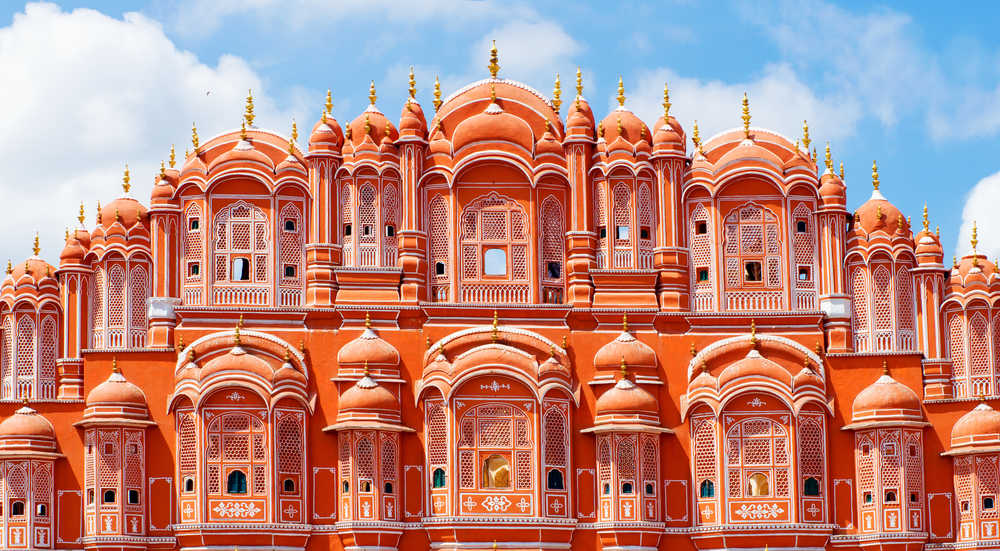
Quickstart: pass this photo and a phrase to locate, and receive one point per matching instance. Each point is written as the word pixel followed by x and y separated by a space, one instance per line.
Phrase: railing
pixel 440 293
pixel 46 390
pixel 861 342
pixel 805 300
pixel 115 338
pixel 645 260
pixel 906 340
pixel 552 295
pixel 193 297
pixel 753 300
pixel 883 340
pixel 704 302
pixel 623 257
pixel 289 297
pixel 137 338
pixel 495 292
pixel 367 255
pixel 602 259
pixel 243 296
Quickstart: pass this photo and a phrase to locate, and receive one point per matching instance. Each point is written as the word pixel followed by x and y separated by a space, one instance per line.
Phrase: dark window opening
pixel 194 269
pixel 17 509
pixel 603 231
pixel 965 506
pixel 288 486
pixel 188 485
pixel 800 226
pixel 650 490
pixel 388 488
pixel 987 503
pixel 41 510
pixel 236 482
pixel 289 270
pixel 701 228
pixel 346 487
pixel 914 497
pixel 90 497
pixel 607 489
pixel 439 268
pixel 390 231
pixel 868 497
pixel 195 224
pixel 241 269
pixel 890 496
pixel 439 480
pixel 804 273
pixel 289 225
pixel 366 229
pixel 109 448
pixel 811 487
pixel 553 269
pixel 644 233
pixel 913 450
pixel 108 497
pixel 132 449
pixel 865 449
pixel 702 274
pixel 623 232
pixel 347 229
pixel 706 489
pixel 133 497
pixel 626 488
pixel 555 480
pixel 366 486
pixel 752 271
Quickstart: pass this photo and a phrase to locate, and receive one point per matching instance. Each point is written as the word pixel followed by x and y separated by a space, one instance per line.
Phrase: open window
pixel 236 482
pixel 496 472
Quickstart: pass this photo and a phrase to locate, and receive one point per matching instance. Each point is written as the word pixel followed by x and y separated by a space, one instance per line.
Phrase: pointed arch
pixel 439 235
pixel 553 247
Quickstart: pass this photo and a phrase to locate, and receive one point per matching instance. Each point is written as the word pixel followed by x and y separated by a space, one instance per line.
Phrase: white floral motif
pixel 494 503
pixel 756 402
pixel 706 511
pixel 235 396
pixel 290 510
pixel 557 505
pixel 523 505
pixel 759 511
pixel 495 386
pixel 236 510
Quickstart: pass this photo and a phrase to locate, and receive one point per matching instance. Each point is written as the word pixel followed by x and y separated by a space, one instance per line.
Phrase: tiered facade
pixel 502 328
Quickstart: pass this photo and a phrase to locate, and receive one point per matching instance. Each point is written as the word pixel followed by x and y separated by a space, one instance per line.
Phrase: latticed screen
pixel 494 248
pixel 757 458
pixel 752 248
pixel 502 448
pixel 241 233
pixel 237 442
pixel 701 245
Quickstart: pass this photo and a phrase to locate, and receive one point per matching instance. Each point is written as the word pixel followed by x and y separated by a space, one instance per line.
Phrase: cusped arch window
pixel 706 489
pixel 757 485
pixel 236 482
pixel 496 472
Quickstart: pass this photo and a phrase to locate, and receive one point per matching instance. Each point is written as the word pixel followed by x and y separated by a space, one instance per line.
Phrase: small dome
pixel 972 272
pixel 193 165
pixel 490 127
pixel 412 122
pixel 704 380
pixel 754 365
pixel 439 144
pixel 235 361
pixel 928 250
pixel 372 123
pixel 73 252
pixel 886 401
pixel 243 151
pixel 878 214
pixel 624 124
pixel 368 348
pixel 831 189
pixel 748 150
pixel 626 399
pixel 580 121
pixel 162 192
pixel 807 377
pixel 548 145
pixel 126 211
pixel 978 429
pixel 367 396
pixel 27 430
pixel 326 136
pixel 116 391
pixel 625 348
pixel 291 165
pixel 669 135
pixel 34 267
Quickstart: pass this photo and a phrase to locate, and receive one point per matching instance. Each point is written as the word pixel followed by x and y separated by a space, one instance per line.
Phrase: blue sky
pixel 93 85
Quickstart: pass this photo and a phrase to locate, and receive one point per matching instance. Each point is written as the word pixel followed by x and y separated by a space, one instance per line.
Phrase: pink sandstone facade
pixel 507 324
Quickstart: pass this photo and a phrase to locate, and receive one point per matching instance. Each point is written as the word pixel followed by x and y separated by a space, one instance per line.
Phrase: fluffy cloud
pixel 779 100
pixel 86 93
pixel 980 206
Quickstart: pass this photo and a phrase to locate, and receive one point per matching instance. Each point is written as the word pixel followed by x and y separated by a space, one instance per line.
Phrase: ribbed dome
pixel 878 214
pixel 367 396
pixel 625 348
pixel 750 151
pixel 116 391
pixel 368 348
pixel 626 398
pixel 73 252
pixel 669 135
pixel 580 120
pixel 372 123
pixel 412 122
pixel 128 211
pixel 493 126
pixel 326 136
pixel 548 145
pixel 26 422
pixel 978 429
pixel 928 250
pixel 624 124
pixel 886 401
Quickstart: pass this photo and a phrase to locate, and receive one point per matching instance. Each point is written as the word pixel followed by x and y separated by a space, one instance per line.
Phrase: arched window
pixel 980 376
pixel 290 255
pixel 554 480
pixel 236 482
pixel 439 478
pixel 188 485
pixel 758 485
pixel 623 235
pixel 706 489
pixel 347 222
pixel 494 247
pixel 496 472
pixel 17 509
pixel 859 304
pixel 504 443
pixel 956 347
pixel 242 253
pixel 553 240
pixel 804 243
pixel 138 281
pixel 288 486
pixel 439 235
pixel 236 442
pixel 390 222
pixel 810 487
pixel 109 496
pixel 758 452
pixel 644 213
pixel 882 301
pixel 97 308
pixel 601 219
pixel 904 309
pixel 48 346
pixel 7 357
pixel 705 457
pixel 25 372
pixel 701 245
pixel 752 252
pixel 194 237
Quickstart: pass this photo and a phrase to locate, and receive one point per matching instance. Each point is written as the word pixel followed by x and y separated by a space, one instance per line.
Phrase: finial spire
pixel 829 159
pixel 621 92
pixel 805 134
pixel 194 138
pixel 163 170
pixel 754 341
pixel 624 368
pixel 100 218
pixel 885 367
pixel 494 65
pixel 437 94
pixel 666 103
pixel 841 170
pixel 248 113
pixel 81 217
pixel 368 126
pixel 35 249
pixel 413 84
pixel 10 267
pixel 126 180
pixel 926 222
pixel 368 320
pixel 236 331
pixel 875 183
pixel 295 131
pixel 173 156
pixel 579 82
pixel 625 322
pixel 372 96
pixel 114 365
pixel 696 138
pixel 496 325
pixel 243 130
pixel 975 238
pixel 746 116
pixel 694 350
pixel 328 106
pixel 557 94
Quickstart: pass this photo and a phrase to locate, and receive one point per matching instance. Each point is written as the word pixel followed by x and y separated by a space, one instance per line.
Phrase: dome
pixel 977 430
pixel 291 165
pixel 368 396
pixel 243 151
pixel 627 399
pixel 27 431
pixel 807 377
pixel 193 165
pixel 878 214
pixel 669 135
pixel 831 189
pixel 326 136
pixel 412 122
pixel 372 123
pixel 34 267
pixel 749 150
pixel 124 210
pixel 116 391
pixel 624 124
pixel 754 366
pixel 704 380
pixel 511 96
pixel 548 145
pixel 886 402
pixel 237 360
pixel 73 252
pixel 439 144
pixel 624 348
pixel 580 121
pixel 162 191
pixel 928 250
pixel 368 348
pixel 973 270
pixel 493 126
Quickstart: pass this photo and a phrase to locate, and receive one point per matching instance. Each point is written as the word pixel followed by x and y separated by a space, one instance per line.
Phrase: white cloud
pixel 980 206
pixel 86 93
pixel 779 100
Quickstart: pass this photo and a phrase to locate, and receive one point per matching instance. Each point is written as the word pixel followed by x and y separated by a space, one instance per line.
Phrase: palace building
pixel 500 322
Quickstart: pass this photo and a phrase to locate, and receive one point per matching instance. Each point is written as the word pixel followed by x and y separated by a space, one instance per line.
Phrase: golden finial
pixel 236 332
pixel 10 267
pixel 666 103
pixel 926 222
pixel 552 350
pixel 954 261
pixel 579 83
pixel 81 217
pixel 621 92
pixel 746 116
pixel 328 106
pixel 368 320
pixel 194 138
pixel 625 322
pixel 819 349
pixel 413 84
pixel 624 368
pixel 494 65
pixel 427 343
pixel 117 216
pixel 114 365
pixel 191 355
pixel 295 131
pixel 875 175
pixel 291 146
pixel 126 180
pixel 368 126
pixel 557 94
pixel 620 128
pixel 243 130
pixel 248 114
pixel 885 367
pixel 564 342
pixel 163 170
pixel 437 94
pixel 302 345
pixel 100 218
pixel 694 350
pixel 35 249
pixel 496 325
pixel 878 212
pixel 494 544
pixel 67 234
pixel 348 131
pixel 975 237
pixel 814 155
pixel 388 129
pixel 805 134
pixel 841 171
pixel 696 138
pixel 173 156
pixel 493 93
pixel 937 231
pixel 239 321
pixel 600 129
pixel 367 372
pixel 371 93
pixel 754 341
pixel 829 160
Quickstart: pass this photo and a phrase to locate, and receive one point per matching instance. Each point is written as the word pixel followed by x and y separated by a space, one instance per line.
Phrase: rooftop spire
pixel 557 94
pixel 243 130
pixel 494 65
pixel 841 170
pixel 696 138
pixel 975 238
pixel 746 116
pixel 194 138
pixel 621 92
pixel 163 170
pixel 666 103
pixel 413 84
pixel 437 94
pixel 624 368
pixel 173 156
pixel 805 134
pixel 126 179
pixel 368 320
pixel 371 94
pixel 875 175
pixel 114 365
pixel 496 326
pixel 368 126
pixel 885 367
pixel 624 322
pixel 81 217
pixel 926 223
pixel 829 160
pixel 295 131
pixel 248 112
pixel 99 217
pixel 35 249
pixel 10 267
pixel 754 341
